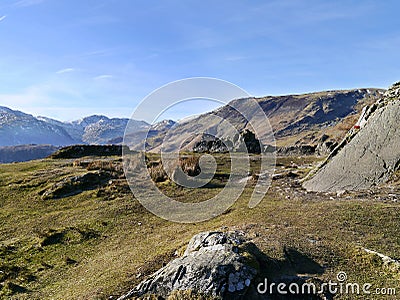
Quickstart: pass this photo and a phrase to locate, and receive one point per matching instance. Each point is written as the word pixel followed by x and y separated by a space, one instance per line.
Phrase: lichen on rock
pixel 215 264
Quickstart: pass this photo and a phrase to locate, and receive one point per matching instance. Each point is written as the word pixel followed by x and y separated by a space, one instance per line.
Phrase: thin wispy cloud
pixel 26 3
pixel 2 18
pixel 101 77
pixel 66 70
pixel 100 53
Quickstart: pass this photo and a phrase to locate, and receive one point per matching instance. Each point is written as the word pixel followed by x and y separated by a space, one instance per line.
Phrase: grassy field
pixel 101 242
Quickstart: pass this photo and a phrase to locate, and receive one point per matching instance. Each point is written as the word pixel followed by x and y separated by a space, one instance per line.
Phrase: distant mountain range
pixel 18 128
pixel 295 119
pixel 25 137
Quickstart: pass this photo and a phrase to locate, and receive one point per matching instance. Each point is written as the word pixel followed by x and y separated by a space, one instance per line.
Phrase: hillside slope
pixel 295 119
pixel 21 153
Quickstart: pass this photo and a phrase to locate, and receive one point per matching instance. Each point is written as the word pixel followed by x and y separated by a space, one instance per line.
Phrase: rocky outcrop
pixel 76 184
pixel 104 175
pixel 78 151
pixel 253 145
pixel 368 155
pixel 325 145
pixel 214 264
pixel 321 146
pixel 325 148
pixel 211 144
pixel 296 150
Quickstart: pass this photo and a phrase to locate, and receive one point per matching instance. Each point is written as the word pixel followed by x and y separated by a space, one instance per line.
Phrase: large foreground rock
pixel 213 264
pixel 369 155
pixel 224 266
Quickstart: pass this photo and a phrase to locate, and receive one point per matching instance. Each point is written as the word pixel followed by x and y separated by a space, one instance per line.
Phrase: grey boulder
pixel 369 154
pixel 213 264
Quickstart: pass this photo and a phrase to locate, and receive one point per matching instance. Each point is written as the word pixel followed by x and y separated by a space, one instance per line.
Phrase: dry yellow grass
pixel 115 243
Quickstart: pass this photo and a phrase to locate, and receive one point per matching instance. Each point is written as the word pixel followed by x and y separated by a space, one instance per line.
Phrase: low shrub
pixel 190 165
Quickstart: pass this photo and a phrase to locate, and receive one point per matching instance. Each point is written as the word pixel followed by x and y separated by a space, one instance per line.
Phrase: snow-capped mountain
pixel 18 128
pixel 100 129
pixel 163 125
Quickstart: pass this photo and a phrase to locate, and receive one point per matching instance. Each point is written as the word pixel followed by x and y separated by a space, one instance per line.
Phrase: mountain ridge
pixel 19 128
pixel 295 119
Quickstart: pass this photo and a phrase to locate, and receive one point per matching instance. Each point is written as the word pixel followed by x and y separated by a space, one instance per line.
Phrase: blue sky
pixel 67 59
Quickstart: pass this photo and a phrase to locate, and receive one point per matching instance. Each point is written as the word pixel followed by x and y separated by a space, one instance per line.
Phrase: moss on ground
pixel 94 245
